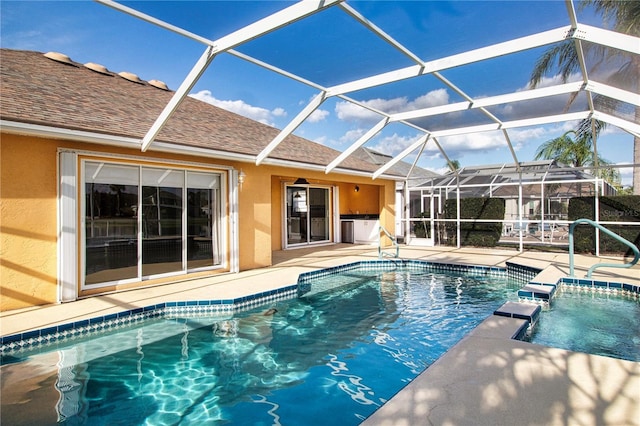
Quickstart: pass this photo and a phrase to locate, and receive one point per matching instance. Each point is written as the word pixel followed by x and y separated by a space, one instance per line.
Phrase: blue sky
pixel 327 48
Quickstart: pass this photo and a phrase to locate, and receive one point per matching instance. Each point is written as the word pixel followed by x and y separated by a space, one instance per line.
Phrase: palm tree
pixel 567 149
pixel 622 16
pixel 576 150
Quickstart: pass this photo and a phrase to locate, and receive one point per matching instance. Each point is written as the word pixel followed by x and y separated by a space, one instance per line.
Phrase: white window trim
pixel 70 220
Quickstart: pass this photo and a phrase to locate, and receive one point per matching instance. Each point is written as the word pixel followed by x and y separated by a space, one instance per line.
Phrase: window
pixel 143 222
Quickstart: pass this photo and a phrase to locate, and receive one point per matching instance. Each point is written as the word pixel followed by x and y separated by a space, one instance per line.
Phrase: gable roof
pixel 62 94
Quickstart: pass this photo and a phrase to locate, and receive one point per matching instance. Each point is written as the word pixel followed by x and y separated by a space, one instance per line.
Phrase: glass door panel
pixel 308 215
pixel 319 214
pixel 297 215
pixel 111 224
pixel 161 221
pixel 203 220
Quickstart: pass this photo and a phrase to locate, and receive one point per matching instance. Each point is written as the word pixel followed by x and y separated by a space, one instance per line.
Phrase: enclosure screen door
pixel 308 215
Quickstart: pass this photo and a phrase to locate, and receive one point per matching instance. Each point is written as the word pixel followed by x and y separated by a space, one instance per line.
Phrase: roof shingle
pixel 39 90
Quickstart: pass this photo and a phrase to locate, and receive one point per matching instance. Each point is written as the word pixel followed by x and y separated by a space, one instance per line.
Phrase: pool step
pixel 537 292
pixel 525 311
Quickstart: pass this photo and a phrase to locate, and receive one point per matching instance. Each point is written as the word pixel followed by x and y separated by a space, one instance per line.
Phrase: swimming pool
pixel 583 320
pixel 336 353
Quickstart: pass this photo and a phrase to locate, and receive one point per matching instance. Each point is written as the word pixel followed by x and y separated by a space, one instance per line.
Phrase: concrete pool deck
pixel 486 379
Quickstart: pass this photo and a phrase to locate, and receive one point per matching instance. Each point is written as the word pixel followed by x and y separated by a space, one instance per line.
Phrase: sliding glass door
pixel 307 215
pixel 145 222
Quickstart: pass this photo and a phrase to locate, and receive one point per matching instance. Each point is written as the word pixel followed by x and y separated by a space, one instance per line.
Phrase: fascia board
pixel 19 128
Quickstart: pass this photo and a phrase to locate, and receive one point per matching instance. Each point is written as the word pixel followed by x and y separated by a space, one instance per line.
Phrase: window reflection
pixel 178 229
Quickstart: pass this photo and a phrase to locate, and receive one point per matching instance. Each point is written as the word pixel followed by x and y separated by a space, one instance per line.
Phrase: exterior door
pixel 307 215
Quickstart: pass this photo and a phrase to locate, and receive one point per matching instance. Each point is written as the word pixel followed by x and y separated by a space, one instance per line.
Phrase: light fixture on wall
pixel 301 181
pixel 357 188
pixel 241 177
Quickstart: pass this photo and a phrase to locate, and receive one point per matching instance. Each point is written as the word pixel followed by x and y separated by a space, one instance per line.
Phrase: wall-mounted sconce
pixel 241 177
pixel 301 181
pixel 357 188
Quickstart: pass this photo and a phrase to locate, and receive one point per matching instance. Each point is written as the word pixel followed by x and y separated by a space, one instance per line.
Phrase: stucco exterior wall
pixel 28 212
pixel 28 218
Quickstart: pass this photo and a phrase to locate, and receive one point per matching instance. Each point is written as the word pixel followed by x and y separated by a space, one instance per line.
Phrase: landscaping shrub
pixel 479 234
pixel 622 208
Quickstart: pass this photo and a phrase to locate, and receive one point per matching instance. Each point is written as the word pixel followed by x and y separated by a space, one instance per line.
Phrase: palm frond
pixel 562 56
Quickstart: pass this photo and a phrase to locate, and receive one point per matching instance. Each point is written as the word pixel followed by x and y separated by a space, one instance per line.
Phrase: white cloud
pixel 352 135
pixel 351 112
pixel 322 140
pixel 394 144
pixel 553 81
pixel 262 115
pixel 279 112
pixel 626 174
pixel 471 142
pixel 318 115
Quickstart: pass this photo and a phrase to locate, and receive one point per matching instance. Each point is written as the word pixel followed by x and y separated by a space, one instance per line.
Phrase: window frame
pixel 224 227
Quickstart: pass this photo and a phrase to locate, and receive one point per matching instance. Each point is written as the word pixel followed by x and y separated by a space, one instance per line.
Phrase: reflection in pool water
pixel 340 351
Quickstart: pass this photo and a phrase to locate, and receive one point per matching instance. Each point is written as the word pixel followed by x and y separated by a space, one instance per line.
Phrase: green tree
pixel 454 165
pixel 621 16
pixel 576 150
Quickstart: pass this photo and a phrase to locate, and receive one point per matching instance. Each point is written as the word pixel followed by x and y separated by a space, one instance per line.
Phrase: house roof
pixel 62 94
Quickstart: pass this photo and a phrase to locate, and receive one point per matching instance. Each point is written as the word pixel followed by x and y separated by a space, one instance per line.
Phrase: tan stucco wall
pixel 28 211
pixel 28 220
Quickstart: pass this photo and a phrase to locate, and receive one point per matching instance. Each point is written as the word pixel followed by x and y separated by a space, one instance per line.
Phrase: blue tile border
pixel 405 264
pixel 519 273
pixel 522 273
pixel 601 286
pixel 34 338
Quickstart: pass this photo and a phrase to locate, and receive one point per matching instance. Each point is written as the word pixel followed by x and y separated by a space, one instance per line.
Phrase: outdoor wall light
pixel 241 177
pixel 357 188
pixel 301 181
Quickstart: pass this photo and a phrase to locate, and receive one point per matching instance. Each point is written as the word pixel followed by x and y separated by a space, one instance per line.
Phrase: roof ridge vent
pixel 97 68
pixel 159 84
pixel 130 76
pixel 59 57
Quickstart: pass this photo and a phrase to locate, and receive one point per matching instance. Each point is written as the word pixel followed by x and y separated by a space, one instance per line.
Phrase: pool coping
pixel 33 339
pixel 527 274
pixel 490 378
pixel 539 397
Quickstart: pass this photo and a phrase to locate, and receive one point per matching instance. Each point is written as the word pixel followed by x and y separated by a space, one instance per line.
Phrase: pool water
pixel 333 355
pixel 595 323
